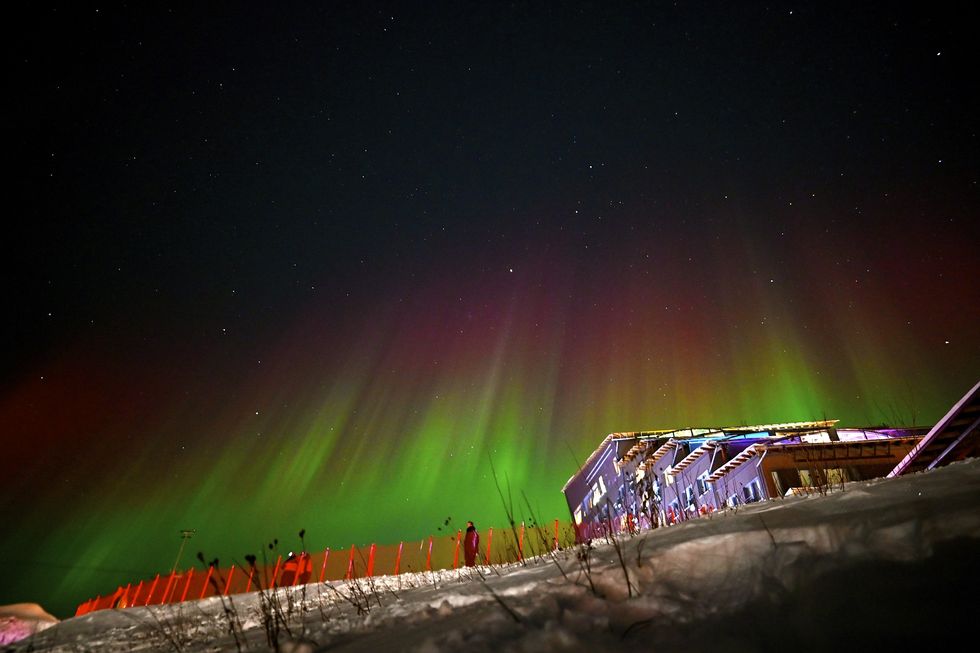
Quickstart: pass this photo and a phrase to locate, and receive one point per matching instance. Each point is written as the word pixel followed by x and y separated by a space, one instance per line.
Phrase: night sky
pixel 272 268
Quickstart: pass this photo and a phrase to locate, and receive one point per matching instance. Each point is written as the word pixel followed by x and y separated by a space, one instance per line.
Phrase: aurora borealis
pixel 285 268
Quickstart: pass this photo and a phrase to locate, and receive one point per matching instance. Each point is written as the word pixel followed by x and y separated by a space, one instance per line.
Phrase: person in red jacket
pixel 289 569
pixel 471 544
pixel 305 567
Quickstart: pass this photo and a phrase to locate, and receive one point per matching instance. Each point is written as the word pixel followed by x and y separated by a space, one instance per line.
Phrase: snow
pixel 19 620
pixel 887 563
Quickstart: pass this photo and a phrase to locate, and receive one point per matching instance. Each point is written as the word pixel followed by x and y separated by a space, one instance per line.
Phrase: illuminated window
pixel 598 491
pixel 578 515
pixel 776 482
pixel 836 476
pixel 822 436
pixel 752 491
pixel 702 483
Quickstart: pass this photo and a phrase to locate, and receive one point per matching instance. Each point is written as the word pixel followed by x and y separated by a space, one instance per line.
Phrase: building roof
pixel 690 458
pixel 592 458
pixel 743 457
pixel 814 451
pixel 662 451
pixel 838 450
pixel 951 438
pixel 693 433
pixel 636 450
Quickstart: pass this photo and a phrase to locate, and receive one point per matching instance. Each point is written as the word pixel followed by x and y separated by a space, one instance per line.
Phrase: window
pixel 578 515
pixel 822 436
pixel 733 501
pixel 777 483
pixel 836 476
pixel 702 483
pixel 668 477
pixel 689 496
pixel 598 491
pixel 656 488
pixel 752 491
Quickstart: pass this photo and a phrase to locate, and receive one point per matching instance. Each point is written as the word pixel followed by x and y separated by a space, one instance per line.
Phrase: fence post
pixel 520 544
pixel 150 595
pixel 398 558
pixel 456 553
pixel 556 535
pixel 231 572
pixel 489 541
pixel 187 585
pixel 300 566
pixel 428 557
pixel 370 569
pixel 207 580
pixel 173 588
pixel 323 569
pixel 251 573
pixel 136 597
pixel 350 564
pixel 166 590
pixel 275 572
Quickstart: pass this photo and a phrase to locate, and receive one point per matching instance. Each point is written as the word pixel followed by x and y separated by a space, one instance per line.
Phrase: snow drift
pixel 20 620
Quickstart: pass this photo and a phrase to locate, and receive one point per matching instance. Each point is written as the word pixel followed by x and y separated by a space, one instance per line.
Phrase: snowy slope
pixel 884 564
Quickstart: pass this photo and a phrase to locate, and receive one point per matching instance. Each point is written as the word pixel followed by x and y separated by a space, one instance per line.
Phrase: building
pixel 654 478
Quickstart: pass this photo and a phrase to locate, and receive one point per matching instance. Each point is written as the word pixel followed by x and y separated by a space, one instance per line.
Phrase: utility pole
pixel 185 535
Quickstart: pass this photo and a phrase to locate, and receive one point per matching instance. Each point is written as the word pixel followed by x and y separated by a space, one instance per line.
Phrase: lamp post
pixel 185 535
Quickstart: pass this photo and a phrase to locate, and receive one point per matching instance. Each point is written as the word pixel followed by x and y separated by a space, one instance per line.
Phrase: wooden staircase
pixel 955 437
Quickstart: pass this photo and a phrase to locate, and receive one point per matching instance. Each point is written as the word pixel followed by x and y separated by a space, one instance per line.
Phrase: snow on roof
pixel 641 435
pixel 785 426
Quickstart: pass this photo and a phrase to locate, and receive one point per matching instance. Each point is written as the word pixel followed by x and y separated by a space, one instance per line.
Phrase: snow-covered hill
pixel 883 564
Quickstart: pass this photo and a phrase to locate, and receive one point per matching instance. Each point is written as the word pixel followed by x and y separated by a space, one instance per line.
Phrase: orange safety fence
pixel 497 546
